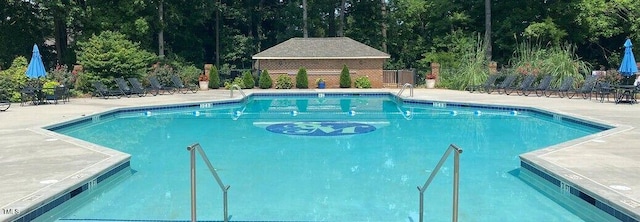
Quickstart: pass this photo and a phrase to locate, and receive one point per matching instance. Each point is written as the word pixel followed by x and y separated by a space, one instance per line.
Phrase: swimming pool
pixel 325 157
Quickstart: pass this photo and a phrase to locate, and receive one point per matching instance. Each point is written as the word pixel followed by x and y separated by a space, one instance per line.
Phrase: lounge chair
pixel 103 91
pixel 126 90
pixel 504 85
pixel 484 87
pixel 158 88
pixel 544 84
pixel 565 87
pixel 525 86
pixel 181 87
pixel 587 88
pixel 137 87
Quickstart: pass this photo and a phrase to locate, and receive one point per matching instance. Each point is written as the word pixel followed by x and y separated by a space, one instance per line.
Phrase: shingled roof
pixel 321 48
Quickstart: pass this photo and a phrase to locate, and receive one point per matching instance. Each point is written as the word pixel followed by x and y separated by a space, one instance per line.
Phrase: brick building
pixel 323 58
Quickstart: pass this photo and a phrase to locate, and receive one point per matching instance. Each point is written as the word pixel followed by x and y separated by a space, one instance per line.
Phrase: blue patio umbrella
pixel 628 66
pixel 36 68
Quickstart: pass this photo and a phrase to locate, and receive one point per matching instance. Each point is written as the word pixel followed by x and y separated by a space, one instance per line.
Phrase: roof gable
pixel 321 48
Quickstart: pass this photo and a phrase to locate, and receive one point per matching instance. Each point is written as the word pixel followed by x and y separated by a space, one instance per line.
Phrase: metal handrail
pixel 456 180
pixel 239 89
pixel 192 149
pixel 404 87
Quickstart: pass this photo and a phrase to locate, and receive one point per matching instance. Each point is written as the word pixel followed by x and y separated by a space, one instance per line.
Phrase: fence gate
pixel 397 78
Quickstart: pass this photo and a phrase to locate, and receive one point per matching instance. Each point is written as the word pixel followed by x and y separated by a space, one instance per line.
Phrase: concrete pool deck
pixel 38 165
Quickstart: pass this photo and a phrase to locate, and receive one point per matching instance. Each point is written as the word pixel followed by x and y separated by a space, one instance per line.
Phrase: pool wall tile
pixel 69 195
pixel 578 193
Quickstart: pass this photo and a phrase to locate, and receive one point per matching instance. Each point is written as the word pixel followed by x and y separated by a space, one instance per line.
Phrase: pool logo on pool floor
pixel 321 128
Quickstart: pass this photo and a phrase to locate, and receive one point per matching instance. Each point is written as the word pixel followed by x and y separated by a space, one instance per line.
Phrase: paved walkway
pixel 37 164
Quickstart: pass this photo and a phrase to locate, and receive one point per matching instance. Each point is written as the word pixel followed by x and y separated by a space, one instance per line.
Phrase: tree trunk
pixel 342 11
pixel 61 39
pixel 305 32
pixel 383 30
pixel 161 32
pixel 487 31
pixel 218 34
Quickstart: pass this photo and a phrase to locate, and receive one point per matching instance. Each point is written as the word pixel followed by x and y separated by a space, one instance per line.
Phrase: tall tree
pixel 487 28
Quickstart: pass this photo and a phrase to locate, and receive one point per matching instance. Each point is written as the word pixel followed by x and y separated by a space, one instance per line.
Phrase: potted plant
pixel 204 81
pixel 431 80
pixel 320 82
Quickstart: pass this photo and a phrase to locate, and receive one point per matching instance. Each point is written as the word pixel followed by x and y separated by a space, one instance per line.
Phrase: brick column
pixel 493 67
pixel 435 70
pixel 207 68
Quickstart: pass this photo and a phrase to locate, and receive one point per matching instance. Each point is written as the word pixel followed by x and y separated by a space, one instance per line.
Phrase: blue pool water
pixel 324 158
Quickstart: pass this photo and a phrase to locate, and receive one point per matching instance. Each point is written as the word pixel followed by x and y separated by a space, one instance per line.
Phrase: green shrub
pixel 283 82
pixel 265 81
pixel 110 54
pixel 362 82
pixel 214 78
pixel 49 85
pixel 190 74
pixel 237 81
pixel 62 75
pixel 13 78
pixel 84 80
pixel 302 82
pixel 345 77
pixel 163 73
pixel 248 80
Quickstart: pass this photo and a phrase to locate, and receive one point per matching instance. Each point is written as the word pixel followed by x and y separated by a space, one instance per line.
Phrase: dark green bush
pixel 345 77
pixel 302 82
pixel 248 80
pixel 110 54
pixel 214 78
pixel 283 82
pixel 265 81
pixel 362 82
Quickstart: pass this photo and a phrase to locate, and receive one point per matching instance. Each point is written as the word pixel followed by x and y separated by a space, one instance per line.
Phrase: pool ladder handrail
pixel 236 86
pixel 456 180
pixel 404 87
pixel 192 149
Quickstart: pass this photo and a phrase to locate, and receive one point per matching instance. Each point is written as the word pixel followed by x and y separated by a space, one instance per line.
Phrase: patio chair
pixel 103 91
pixel 603 89
pixel 58 94
pixel 28 94
pixel 484 87
pixel 158 88
pixel 181 87
pixel 525 86
pixel 504 85
pixel 586 90
pixel 138 88
pixel 566 86
pixel 544 84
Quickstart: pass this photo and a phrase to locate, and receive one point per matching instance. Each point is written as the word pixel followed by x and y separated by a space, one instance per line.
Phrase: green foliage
pixel 189 73
pixel 84 80
pixel 558 61
pixel 248 80
pixel 163 73
pixel 302 82
pixel 62 75
pixel 214 78
pixel 546 31
pixel 14 78
pixel 49 85
pixel 265 81
pixel 362 82
pixel 474 70
pixel 283 82
pixel 237 81
pixel 345 77
pixel 111 55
